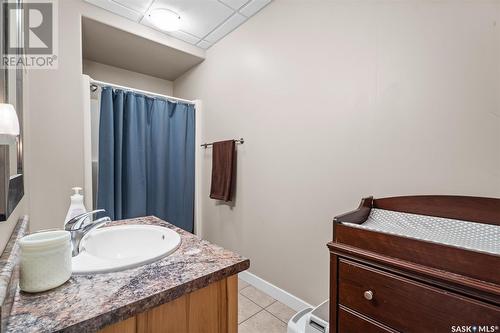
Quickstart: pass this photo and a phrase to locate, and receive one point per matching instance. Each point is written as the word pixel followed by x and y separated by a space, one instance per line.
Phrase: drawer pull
pixel 368 295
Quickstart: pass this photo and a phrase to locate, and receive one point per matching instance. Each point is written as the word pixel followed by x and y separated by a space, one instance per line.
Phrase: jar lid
pixel 45 239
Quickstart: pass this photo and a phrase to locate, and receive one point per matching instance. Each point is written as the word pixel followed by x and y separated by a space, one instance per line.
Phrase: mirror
pixel 11 92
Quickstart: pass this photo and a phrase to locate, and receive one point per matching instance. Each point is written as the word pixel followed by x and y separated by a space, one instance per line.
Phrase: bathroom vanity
pixel 194 289
pixel 416 264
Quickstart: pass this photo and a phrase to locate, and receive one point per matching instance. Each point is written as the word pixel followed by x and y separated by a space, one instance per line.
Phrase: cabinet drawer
pixel 350 322
pixel 406 305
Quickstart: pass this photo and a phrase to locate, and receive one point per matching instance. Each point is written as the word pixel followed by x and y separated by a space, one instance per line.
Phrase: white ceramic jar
pixel 45 260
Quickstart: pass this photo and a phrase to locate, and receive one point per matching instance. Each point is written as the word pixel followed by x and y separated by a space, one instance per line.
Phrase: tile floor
pixel 259 312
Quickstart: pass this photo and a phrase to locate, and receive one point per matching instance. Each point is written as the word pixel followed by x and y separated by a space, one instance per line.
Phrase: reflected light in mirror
pixel 9 123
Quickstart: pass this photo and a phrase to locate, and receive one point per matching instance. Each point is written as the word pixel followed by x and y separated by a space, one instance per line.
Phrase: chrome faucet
pixel 81 225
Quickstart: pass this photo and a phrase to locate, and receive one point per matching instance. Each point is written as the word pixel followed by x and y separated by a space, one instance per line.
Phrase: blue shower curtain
pixel 146 158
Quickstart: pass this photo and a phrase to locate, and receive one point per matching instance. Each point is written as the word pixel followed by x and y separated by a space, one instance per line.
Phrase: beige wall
pixel 338 100
pixel 123 77
pixel 56 115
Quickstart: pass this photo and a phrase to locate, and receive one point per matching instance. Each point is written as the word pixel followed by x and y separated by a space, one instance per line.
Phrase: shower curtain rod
pixel 97 83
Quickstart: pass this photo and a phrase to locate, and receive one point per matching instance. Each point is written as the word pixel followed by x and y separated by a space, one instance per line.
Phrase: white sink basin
pixel 121 247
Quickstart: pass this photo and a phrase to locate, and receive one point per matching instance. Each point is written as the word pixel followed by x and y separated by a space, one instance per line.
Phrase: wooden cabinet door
pixel 213 309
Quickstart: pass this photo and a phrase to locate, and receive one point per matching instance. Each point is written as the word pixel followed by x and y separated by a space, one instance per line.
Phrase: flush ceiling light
pixel 165 19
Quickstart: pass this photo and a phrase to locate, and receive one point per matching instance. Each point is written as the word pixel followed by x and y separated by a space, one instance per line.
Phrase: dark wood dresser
pixel 387 282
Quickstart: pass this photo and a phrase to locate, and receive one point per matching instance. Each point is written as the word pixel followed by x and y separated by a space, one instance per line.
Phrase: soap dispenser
pixel 77 207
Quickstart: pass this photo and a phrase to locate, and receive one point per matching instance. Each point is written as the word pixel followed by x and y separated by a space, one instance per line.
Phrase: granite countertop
pixel 87 303
pixel 9 270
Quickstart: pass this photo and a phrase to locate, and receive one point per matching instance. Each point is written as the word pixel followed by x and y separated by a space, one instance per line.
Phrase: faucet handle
pixel 76 222
pixel 96 224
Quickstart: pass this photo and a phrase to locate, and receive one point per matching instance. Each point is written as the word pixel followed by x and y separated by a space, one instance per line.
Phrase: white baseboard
pixel 278 294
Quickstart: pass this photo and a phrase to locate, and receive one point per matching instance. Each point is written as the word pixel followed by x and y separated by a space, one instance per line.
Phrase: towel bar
pixel 206 145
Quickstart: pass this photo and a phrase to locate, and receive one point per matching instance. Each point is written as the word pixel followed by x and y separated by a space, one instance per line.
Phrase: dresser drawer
pixel 406 305
pixel 350 322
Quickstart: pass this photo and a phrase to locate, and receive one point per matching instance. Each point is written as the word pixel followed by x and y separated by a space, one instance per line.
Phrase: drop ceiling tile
pixel 188 38
pixel 204 44
pixel 199 17
pixel 138 5
pixel 235 4
pixel 203 21
pixel 117 8
pixel 232 23
pixel 184 37
pixel 253 7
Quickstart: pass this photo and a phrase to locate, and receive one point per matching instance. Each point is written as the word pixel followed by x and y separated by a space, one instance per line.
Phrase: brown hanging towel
pixel 223 169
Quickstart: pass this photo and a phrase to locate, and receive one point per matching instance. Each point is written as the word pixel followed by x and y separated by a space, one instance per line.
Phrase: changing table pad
pixel 468 235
